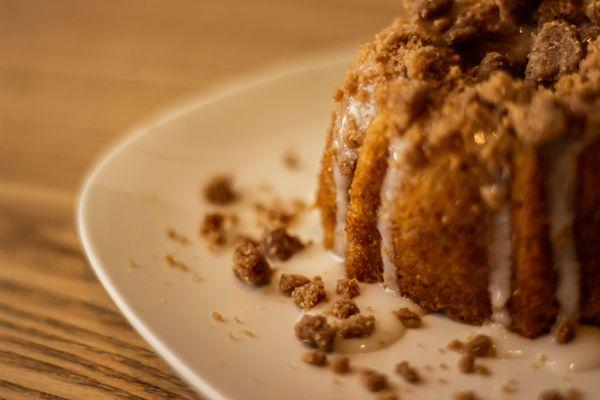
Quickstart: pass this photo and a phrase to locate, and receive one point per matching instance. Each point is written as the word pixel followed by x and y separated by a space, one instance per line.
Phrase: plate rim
pixel 180 108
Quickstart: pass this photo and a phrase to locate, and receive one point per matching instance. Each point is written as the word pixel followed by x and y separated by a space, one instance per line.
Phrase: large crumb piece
pixel 347 288
pixel 357 326
pixel 315 357
pixel 374 381
pixel 315 331
pixel 409 319
pixel 344 308
pixel 278 244
pixel 406 371
pixel 556 52
pixel 289 282
pixel 340 364
pixel 219 190
pixel 480 346
pixel 464 395
pixel 564 331
pixel 309 295
pixel 249 265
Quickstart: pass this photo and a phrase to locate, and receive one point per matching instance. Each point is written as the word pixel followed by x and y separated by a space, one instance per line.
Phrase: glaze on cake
pixel 460 166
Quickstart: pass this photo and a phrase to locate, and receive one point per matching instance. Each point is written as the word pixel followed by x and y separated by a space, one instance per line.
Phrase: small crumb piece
pixel 347 288
pixel 213 229
pixel 196 278
pixel 550 395
pixel 217 316
pixel 315 331
pixel 248 333
pixel 409 319
pixel 237 320
pixel 289 282
pixel 131 263
pixel 278 244
pixel 373 380
pixel 176 236
pixel 345 308
pixel 480 346
pixel 386 395
pixel 482 370
pixel 174 263
pixel 444 366
pixel 410 374
pixel 464 395
pixel 456 345
pixel 466 364
pixel 340 364
pixel 219 190
pixel 249 265
pixel 564 331
pixel 357 326
pixel 309 295
pixel 291 160
pixel 315 357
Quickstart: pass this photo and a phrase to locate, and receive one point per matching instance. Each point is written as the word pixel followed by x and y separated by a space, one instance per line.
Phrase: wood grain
pixel 74 75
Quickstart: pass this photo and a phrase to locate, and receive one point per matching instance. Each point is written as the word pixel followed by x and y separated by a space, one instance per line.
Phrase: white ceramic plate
pixel 152 181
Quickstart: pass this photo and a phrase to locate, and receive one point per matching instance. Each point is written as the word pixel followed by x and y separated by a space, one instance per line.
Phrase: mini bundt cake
pixel 461 163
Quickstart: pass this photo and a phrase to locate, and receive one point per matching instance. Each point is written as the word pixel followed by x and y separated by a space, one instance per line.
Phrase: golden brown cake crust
pixel 532 306
pixel 363 257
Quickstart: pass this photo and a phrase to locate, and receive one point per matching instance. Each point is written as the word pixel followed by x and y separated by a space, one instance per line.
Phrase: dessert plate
pixel 153 181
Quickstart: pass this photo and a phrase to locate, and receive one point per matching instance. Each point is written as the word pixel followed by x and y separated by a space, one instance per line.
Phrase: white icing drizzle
pixel 499 260
pixel 392 183
pixel 560 186
pixel 362 113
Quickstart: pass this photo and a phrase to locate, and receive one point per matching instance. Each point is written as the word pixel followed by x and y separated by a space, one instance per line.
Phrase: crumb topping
pixel 357 326
pixel 315 331
pixel 213 229
pixel 344 308
pixel 374 381
pixel 409 373
pixel 289 282
pixel 564 331
pixel 249 265
pixel 348 288
pixel 278 244
pixel 219 190
pixel 309 295
pixel 175 263
pixel 480 346
pixel 340 364
pixel 466 364
pixel 409 319
pixel 317 358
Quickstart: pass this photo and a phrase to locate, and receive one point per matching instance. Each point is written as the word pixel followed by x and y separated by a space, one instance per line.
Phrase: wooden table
pixel 74 75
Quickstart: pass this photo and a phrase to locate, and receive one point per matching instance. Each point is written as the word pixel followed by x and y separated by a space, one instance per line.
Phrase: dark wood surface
pixel 74 75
